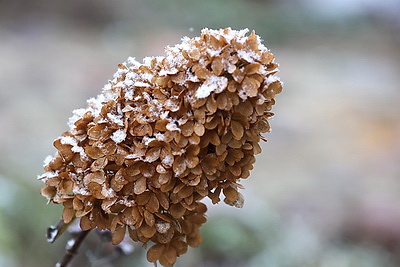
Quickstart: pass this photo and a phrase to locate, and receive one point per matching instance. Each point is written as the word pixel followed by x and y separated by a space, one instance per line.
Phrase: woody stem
pixel 72 251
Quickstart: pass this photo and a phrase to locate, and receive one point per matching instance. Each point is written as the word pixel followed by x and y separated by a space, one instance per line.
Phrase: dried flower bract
pixel 162 135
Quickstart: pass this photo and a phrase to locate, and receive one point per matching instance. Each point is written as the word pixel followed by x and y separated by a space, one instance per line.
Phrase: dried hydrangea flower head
pixel 162 135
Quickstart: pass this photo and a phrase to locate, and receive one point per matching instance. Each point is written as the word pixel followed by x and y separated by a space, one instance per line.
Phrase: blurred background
pixel 324 192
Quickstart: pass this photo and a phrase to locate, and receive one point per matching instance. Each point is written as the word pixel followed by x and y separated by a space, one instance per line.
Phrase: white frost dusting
pixel 118 136
pixel 76 115
pixel 51 234
pixel 69 140
pixel 164 115
pixel 160 136
pixel 80 191
pixel 133 156
pixel 214 83
pixel 229 36
pixel 271 79
pixel 126 247
pixel 168 160
pixel 70 244
pixel 107 193
pixel 132 62
pixel 249 56
pixel 172 126
pixel 117 119
pixel 165 72
pixel 174 61
pixel 147 140
pixel 141 84
pixel 129 94
pixel 214 53
pixel 47 160
pixel 47 175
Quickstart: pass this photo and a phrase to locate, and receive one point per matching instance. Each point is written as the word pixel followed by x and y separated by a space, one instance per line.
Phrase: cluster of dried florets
pixel 163 135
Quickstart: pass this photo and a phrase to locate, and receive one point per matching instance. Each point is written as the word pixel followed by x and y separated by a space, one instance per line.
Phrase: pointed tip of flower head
pixel 162 135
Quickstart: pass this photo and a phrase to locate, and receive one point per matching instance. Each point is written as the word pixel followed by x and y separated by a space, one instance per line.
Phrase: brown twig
pixel 54 232
pixel 72 251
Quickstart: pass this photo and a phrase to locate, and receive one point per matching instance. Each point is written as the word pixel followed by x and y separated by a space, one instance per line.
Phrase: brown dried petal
pixel 99 164
pixel 179 165
pixel 77 204
pixel 147 231
pixel 238 76
pixel 106 204
pixel 93 152
pixel 199 129
pixel 94 177
pixel 85 223
pixel 197 219
pixel 194 241
pixel 192 161
pixel 141 130
pixel 170 255
pixel 231 194
pixel 144 198
pixel 68 215
pixel 245 108
pixel 164 178
pixel 149 218
pixel 217 65
pixel 177 210
pixel 237 130
pixel 133 170
pixel 153 154
pixel 211 105
pixel 153 204
pixel 187 129
pixel 155 252
pixel 163 199
pixel 119 235
pixel 140 186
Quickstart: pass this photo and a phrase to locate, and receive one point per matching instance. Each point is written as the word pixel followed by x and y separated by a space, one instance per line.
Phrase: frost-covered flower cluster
pixel 161 136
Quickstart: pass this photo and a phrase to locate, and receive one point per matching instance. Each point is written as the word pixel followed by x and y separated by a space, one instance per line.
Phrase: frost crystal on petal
pixel 118 136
